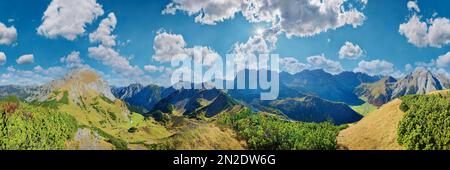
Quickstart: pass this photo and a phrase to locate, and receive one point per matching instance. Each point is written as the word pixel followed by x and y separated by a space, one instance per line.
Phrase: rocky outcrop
pixel 421 81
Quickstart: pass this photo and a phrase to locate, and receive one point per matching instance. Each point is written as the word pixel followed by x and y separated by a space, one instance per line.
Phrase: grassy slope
pixel 111 117
pixel 376 131
pixel 204 136
pixel 365 108
pixel 200 134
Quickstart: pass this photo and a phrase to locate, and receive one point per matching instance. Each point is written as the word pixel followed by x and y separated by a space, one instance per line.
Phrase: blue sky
pixel 140 21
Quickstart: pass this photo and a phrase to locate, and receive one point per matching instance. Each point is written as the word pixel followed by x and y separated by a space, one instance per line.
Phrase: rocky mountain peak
pixel 78 82
pixel 421 81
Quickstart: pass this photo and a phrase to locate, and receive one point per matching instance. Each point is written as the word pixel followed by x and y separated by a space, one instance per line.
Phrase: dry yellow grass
pixel 376 131
pixel 205 136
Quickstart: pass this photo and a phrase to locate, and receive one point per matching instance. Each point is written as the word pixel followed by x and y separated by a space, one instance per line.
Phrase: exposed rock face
pixel 85 139
pixel 78 82
pixel 421 81
pixel 443 78
pixel 21 92
pixel 377 93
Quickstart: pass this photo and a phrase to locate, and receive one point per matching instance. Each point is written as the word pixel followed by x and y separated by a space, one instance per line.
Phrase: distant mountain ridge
pixel 140 98
pixel 338 88
pixel 420 81
pixel 314 109
pixel 195 102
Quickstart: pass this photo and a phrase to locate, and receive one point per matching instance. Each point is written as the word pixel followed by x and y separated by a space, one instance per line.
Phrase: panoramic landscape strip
pixel 224 75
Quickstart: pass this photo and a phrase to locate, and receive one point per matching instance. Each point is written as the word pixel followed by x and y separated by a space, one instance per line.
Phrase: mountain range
pixel 420 81
pixel 138 116
pixel 305 96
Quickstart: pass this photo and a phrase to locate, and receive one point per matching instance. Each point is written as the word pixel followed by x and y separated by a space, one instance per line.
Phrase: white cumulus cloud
pixel 443 61
pixel 110 57
pixel 25 59
pixel 209 11
pixel 434 33
pixel 350 51
pixel 169 46
pixel 105 52
pixel 412 5
pixel 68 18
pixel 8 35
pixel 104 30
pixel 57 70
pixel 375 67
pixel 321 62
pixel 73 60
pixel 292 65
pixel 295 18
pixel 153 68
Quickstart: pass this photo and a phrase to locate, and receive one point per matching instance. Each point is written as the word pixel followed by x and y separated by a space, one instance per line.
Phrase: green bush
pixel 160 116
pixel 35 128
pixel 269 132
pixel 117 142
pixel 426 125
pixel 132 130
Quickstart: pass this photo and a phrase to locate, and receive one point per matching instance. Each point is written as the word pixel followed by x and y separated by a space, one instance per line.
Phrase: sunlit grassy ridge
pixel 365 108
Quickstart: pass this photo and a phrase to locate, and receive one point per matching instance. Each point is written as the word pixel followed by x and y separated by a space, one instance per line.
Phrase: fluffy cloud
pixel 375 67
pixel 262 43
pixel 350 51
pixel 415 31
pixel 439 32
pixel 443 61
pixel 110 57
pixel 435 33
pixel 50 71
pixel 104 30
pixel 171 46
pixel 295 18
pixel 167 46
pixel 321 62
pixel 412 5
pixel 2 58
pixel 72 60
pixel 292 65
pixel 8 35
pixel 209 11
pixel 25 59
pixel 105 52
pixel 153 68
pixel 25 77
pixel 68 18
